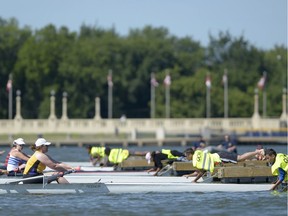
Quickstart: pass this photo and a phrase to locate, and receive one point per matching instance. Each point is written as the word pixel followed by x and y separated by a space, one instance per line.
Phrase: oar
pixel 56 176
pixel 47 180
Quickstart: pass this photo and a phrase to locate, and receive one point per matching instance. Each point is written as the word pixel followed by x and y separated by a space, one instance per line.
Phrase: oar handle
pixel 61 174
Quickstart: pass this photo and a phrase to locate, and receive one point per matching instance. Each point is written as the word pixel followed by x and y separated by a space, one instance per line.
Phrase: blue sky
pixel 262 22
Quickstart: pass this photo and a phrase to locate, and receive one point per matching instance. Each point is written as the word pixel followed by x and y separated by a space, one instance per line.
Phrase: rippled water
pixel 260 203
pixel 222 204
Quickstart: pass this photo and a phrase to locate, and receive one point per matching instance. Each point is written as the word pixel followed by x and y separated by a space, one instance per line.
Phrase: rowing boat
pixel 122 184
pixel 184 187
pixel 129 188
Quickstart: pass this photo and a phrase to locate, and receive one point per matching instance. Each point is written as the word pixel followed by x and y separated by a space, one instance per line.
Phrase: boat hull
pixel 53 188
pixel 183 187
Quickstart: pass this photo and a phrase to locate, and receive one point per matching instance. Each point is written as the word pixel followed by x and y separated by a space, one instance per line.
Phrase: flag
pixel 167 80
pixel 208 81
pixel 224 78
pixel 9 85
pixel 153 81
pixel 261 82
pixel 109 80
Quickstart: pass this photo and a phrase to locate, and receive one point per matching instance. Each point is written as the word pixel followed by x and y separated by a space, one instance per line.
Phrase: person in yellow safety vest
pixel 205 161
pixel 96 154
pixel 279 167
pixel 113 156
pixel 157 157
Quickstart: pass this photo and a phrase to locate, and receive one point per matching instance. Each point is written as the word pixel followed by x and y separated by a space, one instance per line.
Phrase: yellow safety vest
pixel 281 161
pixel 118 155
pixel 205 160
pixel 97 151
pixel 168 153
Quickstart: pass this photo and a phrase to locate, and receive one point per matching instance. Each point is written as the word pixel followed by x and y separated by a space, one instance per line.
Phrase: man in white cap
pixel 17 159
pixel 38 162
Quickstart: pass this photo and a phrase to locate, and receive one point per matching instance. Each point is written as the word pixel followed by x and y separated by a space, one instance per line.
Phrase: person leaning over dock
pixel 106 155
pixel 279 167
pixel 157 157
pixel 16 158
pixel 205 161
pixel 39 160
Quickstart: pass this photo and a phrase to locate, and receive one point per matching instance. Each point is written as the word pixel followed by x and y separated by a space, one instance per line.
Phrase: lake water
pixel 143 204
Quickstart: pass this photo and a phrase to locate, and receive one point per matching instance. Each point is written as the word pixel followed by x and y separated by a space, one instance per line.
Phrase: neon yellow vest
pixel 205 160
pixel 97 151
pixel 168 153
pixel 281 161
pixel 118 155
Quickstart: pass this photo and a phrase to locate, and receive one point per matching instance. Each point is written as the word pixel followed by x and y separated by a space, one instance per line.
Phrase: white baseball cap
pixel 41 141
pixel 148 157
pixel 19 141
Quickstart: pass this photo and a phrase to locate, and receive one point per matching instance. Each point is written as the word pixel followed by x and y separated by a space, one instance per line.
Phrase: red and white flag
pixel 167 80
pixel 9 85
pixel 208 81
pixel 261 82
pixel 153 81
pixel 109 80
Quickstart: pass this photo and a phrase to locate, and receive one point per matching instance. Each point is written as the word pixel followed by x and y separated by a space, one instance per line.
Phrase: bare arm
pixel 151 170
pixel 157 171
pixel 52 164
pixel 274 186
pixel 20 155
pixel 200 174
pixel 191 174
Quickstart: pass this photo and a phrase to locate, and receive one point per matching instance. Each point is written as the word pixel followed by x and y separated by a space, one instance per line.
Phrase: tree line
pixel 57 59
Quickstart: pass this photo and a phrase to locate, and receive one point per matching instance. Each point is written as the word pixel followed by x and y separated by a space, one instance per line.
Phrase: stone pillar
pixel 64 106
pixel 160 133
pixel 18 105
pixel 52 115
pixel 97 109
pixel 256 104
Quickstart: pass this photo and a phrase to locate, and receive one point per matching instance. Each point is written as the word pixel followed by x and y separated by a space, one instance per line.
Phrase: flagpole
pixel 167 83
pixel 10 103
pixel 152 109
pixel 110 94
pixel 208 86
pixel 264 103
pixel 225 94
pixel 208 102
pixel 264 96
pixel 167 90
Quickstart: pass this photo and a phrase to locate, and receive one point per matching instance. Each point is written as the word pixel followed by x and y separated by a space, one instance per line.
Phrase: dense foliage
pixel 78 63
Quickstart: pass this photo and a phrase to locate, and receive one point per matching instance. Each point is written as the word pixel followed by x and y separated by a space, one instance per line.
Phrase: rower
pixel 38 162
pixel 17 159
